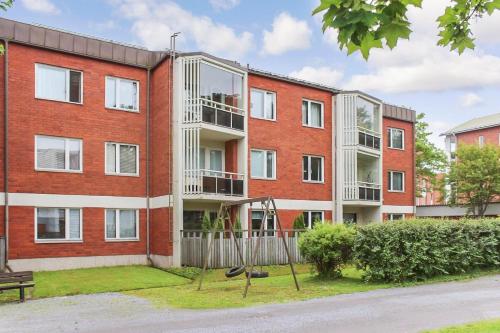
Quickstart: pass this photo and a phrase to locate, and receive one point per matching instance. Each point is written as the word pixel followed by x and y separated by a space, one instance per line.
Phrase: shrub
pixel 419 249
pixel 207 225
pixel 298 223
pixel 328 247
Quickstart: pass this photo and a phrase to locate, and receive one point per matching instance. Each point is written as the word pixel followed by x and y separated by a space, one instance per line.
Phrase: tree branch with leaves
pixel 363 25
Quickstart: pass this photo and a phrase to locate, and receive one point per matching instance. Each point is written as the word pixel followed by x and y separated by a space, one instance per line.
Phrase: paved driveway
pixel 391 310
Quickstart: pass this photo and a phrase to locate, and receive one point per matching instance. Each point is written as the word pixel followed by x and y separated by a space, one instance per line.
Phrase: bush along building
pixel 111 151
pixel 479 131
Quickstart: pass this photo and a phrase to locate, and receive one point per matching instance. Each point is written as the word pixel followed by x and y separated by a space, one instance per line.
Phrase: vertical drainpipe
pixel 6 149
pixel 148 93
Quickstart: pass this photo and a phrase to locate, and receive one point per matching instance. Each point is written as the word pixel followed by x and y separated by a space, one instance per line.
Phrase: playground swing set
pixel 224 214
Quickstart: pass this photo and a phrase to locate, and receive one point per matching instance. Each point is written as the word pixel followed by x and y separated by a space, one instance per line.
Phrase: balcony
pixel 368 191
pixel 212 182
pixel 368 138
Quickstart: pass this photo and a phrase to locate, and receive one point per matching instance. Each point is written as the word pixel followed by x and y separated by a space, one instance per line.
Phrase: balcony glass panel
pixel 222 86
pixel 368 115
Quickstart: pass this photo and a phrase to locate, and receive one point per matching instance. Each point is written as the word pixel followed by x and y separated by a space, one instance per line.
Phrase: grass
pixel 220 292
pixel 178 287
pixel 96 280
pixel 487 326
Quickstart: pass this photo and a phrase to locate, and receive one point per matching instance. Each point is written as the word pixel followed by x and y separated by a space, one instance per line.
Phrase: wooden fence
pixel 194 248
pixel 2 253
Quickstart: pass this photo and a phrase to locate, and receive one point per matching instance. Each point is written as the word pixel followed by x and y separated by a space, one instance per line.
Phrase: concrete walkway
pixel 410 309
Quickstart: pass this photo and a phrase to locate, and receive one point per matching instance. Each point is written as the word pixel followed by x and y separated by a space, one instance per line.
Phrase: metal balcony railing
pixel 210 112
pixel 213 182
pixel 368 138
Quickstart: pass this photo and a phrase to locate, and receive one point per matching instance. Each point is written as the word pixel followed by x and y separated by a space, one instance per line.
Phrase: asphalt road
pixel 410 309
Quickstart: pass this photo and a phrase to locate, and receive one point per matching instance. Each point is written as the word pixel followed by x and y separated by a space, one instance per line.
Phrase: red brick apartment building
pixel 478 131
pixel 111 151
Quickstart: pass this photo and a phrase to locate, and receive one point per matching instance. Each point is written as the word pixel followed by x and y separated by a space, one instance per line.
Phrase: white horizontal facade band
pixel 392 209
pixel 289 204
pixel 79 201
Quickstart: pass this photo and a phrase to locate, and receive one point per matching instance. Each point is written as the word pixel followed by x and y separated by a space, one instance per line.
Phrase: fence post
pixel 2 253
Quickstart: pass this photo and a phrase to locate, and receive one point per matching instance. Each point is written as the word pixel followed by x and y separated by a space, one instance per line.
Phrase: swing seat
pixel 235 271
pixel 258 275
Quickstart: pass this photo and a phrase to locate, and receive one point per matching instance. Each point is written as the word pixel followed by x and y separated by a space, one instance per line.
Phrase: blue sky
pixel 281 36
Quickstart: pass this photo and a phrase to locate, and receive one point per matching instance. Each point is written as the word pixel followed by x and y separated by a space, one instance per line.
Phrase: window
pixel 263 164
pixel 193 219
pixel 481 141
pixel 312 217
pixel 263 104
pixel 312 114
pixel 211 159
pixel 58 224
pixel 122 94
pixel 58 154
pixel 396 181
pixel 395 217
pixel 368 115
pixel 396 138
pixel 312 167
pixel 257 216
pixel 122 224
pixel 58 84
pixel 350 218
pixel 122 159
pixel 220 85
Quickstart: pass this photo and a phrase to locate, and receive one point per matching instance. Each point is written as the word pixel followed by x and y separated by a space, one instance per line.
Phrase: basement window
pixel 58 84
pixel 122 94
pixel 313 217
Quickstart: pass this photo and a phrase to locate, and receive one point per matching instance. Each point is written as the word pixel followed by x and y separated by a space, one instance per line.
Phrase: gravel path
pixel 410 309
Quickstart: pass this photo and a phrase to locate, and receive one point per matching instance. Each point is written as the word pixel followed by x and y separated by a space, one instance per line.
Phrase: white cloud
pixel 41 6
pixel 438 127
pixel 224 4
pixel 288 34
pixel 470 99
pixel 154 22
pixel 420 65
pixel 101 26
pixel 486 28
pixel 323 75
pixel 330 36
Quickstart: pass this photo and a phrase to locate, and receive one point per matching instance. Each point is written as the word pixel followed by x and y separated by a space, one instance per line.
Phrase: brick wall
pixel 399 160
pixel 491 136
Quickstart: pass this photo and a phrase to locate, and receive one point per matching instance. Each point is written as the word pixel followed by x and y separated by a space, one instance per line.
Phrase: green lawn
pixel 96 280
pixel 220 292
pixel 170 289
pixel 488 326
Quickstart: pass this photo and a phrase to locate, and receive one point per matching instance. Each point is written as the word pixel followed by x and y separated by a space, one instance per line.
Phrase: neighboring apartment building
pixel 112 151
pixel 477 131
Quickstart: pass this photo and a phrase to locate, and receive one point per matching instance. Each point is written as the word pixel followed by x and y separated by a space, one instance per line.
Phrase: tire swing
pixel 269 208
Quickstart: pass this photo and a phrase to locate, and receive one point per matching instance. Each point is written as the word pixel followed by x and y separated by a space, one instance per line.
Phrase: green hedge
pixel 420 249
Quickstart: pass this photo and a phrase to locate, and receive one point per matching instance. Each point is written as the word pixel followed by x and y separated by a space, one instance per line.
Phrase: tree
pixel 366 24
pixel 4 5
pixel 429 159
pixel 298 222
pixel 474 178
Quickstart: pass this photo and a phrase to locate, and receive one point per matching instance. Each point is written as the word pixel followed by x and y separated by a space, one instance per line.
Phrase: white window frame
pixel 207 157
pixel 67 70
pixel 66 217
pixel 309 215
pixel 391 146
pixel 117 226
pixel 309 101
pixel 322 181
pixel 117 159
pixel 256 232
pixel 66 154
pixel 391 182
pixel 390 216
pixel 480 141
pixel 265 93
pixel 117 93
pixel 265 151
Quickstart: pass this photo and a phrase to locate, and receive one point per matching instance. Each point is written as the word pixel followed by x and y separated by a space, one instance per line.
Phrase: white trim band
pixel 388 209
pixel 289 204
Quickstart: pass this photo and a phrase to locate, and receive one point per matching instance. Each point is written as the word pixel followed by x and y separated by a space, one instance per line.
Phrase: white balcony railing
pixel 204 181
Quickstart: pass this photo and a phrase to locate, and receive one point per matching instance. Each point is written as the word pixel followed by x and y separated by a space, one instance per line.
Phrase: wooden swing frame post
pixel 224 214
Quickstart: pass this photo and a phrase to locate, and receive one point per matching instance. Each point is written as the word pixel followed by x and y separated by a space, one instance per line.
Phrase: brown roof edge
pixel 58 40
pixel 400 113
